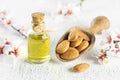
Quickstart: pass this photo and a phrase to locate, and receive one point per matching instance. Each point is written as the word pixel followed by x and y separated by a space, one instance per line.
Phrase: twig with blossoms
pixel 6 47
pixel 19 31
pixel 111 46
pixel 8 22
pixel 70 8
pixel 103 57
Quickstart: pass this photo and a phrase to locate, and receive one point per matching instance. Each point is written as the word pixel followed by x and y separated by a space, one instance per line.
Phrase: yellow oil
pixel 38 48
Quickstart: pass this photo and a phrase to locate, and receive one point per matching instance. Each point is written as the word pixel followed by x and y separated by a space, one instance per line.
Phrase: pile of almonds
pixel 71 47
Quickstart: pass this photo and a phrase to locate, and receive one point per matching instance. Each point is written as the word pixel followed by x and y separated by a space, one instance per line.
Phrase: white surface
pixel 55 70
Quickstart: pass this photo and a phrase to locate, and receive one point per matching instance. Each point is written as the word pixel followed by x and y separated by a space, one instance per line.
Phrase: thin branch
pixel 19 31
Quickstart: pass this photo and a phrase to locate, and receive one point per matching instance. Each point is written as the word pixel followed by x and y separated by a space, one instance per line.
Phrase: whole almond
pixel 70 54
pixel 73 35
pixel 83 46
pixel 77 42
pixel 81 67
pixel 83 35
pixel 63 46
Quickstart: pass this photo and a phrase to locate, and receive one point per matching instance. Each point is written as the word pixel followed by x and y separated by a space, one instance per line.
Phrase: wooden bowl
pixel 65 37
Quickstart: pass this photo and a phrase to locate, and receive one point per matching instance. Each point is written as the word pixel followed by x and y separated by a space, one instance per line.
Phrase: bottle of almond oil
pixel 38 40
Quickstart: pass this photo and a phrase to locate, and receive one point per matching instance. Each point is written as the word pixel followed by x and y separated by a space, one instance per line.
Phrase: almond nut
pixel 73 35
pixel 77 42
pixel 70 54
pixel 84 36
pixel 83 46
pixel 63 47
pixel 81 67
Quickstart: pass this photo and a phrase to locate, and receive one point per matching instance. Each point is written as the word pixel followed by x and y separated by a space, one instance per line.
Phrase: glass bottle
pixel 38 40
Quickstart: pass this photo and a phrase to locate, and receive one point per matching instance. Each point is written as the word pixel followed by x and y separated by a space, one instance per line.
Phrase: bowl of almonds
pixel 77 41
pixel 74 43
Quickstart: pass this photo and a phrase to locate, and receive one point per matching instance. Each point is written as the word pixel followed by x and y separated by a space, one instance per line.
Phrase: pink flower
pixel 3 12
pixel 118 36
pixel 1 49
pixel 16 51
pixel 22 29
pixel 7 43
pixel 109 39
pixel 116 51
pixel 8 22
pixel 102 57
pixel 104 61
pixel 1 22
pixel 69 12
pixel 60 12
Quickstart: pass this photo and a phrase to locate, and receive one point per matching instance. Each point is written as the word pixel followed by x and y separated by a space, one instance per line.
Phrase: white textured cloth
pixel 55 69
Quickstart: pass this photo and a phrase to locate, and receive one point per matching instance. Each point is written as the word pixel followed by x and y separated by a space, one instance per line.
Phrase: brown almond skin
pixel 77 42
pixel 83 46
pixel 63 46
pixel 70 54
pixel 81 67
pixel 84 36
pixel 73 35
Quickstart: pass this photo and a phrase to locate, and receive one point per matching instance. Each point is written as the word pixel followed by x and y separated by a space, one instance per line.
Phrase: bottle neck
pixel 40 23
pixel 39 27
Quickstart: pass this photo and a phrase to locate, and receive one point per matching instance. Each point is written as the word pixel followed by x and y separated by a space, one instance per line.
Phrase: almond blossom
pixel 110 47
pixel 7 48
pixel 5 21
